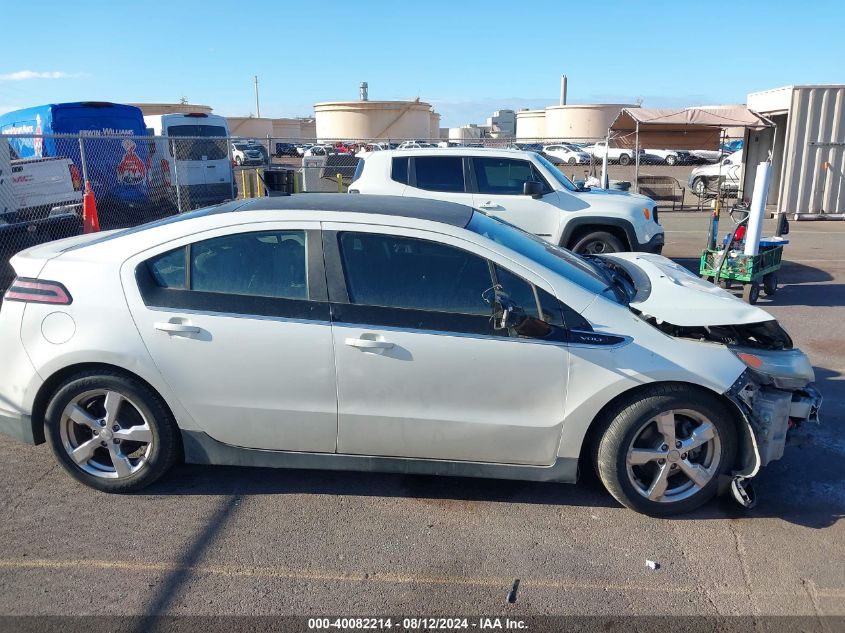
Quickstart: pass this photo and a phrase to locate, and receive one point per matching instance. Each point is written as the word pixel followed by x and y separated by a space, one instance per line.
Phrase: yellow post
pixel 243 184
pixel 258 183
pixel 339 183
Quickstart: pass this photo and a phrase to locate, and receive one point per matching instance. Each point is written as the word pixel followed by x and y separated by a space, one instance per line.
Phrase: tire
pixel 632 429
pixel 751 292
pixel 114 463
pixel 239 161
pixel 699 186
pixel 770 284
pixel 624 159
pixel 671 160
pixel 597 243
pixel 573 161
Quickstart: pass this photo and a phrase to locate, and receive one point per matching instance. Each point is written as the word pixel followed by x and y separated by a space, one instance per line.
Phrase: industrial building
pixel 807 146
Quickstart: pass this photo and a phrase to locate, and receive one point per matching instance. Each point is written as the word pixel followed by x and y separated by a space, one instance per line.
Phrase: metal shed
pixel 807 146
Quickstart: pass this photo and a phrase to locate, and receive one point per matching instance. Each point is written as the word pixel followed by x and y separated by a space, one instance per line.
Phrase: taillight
pixel 38 291
pixel 75 178
pixel 165 172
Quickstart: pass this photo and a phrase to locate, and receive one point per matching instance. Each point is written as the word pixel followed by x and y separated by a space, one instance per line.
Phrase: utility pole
pixel 257 109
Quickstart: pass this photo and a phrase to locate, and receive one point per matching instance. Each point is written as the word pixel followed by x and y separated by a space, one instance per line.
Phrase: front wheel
pixel 111 432
pixel 624 159
pixel 671 160
pixel 699 186
pixel 598 243
pixel 662 450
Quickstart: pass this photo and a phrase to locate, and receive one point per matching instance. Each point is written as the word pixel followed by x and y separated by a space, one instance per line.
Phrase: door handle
pixel 489 205
pixel 365 343
pixel 177 328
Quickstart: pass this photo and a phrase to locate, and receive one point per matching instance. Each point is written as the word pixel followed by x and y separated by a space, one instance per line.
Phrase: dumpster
pixel 279 182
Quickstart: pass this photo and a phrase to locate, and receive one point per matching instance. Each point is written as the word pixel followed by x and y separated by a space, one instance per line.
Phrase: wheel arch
pixel 618 227
pixel 48 388
pixel 746 452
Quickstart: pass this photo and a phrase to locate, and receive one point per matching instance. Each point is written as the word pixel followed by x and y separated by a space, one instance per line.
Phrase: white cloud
pixel 24 75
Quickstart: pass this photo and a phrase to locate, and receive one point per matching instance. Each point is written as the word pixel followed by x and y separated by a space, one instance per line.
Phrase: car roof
pixel 417 208
pixel 456 151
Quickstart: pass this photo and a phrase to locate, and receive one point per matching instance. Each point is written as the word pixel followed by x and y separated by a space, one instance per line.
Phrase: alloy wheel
pixel 673 456
pixel 106 434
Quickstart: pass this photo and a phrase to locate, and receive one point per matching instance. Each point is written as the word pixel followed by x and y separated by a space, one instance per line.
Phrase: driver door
pixel 421 370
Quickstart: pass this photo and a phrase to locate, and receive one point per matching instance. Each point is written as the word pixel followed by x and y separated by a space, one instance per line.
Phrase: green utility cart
pixel 752 271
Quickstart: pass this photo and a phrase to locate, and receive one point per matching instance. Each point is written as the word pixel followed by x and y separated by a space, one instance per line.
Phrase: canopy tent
pixel 689 128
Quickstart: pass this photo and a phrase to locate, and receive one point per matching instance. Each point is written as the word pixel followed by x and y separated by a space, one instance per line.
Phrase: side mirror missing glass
pixel 533 188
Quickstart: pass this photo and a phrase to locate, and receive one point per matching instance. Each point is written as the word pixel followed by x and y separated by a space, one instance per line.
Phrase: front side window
pixel 260 264
pixel 504 176
pixel 403 272
pixel 519 291
pixel 440 173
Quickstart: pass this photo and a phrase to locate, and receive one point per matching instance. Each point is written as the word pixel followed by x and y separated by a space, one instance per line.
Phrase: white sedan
pixel 390 334
pixel 570 154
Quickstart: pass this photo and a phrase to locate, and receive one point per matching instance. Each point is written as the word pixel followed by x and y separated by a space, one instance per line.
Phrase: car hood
pixel 617 194
pixel 677 296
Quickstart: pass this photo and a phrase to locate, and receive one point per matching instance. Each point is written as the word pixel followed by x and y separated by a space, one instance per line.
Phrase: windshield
pixel 557 175
pixel 559 260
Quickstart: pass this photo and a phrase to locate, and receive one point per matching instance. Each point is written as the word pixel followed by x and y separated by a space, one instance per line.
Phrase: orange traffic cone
pixel 90 219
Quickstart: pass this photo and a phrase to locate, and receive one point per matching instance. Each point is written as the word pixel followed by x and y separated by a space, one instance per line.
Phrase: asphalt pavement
pixel 228 541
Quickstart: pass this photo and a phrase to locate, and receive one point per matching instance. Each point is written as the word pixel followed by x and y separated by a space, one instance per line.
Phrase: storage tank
pixel 287 128
pixel 530 124
pixel 372 120
pixel 434 125
pixel 250 127
pixel 581 121
pixel 308 129
pixel 464 133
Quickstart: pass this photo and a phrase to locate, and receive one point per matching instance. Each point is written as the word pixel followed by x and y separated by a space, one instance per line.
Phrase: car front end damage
pixel 774 395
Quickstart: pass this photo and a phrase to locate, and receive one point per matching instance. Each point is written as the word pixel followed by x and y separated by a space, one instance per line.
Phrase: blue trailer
pixel 118 168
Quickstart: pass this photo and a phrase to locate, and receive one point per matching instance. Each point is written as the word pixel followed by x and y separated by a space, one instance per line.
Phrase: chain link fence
pixel 142 178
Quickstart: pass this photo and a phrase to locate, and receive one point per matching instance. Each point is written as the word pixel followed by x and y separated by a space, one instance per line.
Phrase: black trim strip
pixel 375 316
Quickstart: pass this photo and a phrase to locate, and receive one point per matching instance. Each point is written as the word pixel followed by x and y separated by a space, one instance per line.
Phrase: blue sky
pixel 468 58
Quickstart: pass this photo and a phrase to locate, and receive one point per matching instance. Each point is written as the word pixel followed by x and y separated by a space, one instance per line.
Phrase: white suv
pixel 522 188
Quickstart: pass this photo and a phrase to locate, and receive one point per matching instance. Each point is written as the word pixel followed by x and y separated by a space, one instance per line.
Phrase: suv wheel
pixel 111 432
pixel 662 451
pixel 624 159
pixel 699 186
pixel 598 243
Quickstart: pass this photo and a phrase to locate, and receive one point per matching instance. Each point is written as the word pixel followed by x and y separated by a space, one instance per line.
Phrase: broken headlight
pixel 788 369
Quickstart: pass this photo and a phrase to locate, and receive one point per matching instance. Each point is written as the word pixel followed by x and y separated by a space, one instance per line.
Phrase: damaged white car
pixel 381 333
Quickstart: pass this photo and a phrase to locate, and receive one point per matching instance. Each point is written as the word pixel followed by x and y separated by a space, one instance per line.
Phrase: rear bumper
pixel 654 245
pixel 17 426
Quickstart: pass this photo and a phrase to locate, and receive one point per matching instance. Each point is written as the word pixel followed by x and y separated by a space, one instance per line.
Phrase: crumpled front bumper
pixel 769 413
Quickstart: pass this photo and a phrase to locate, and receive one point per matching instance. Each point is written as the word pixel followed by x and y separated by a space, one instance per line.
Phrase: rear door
pixel 439 177
pixel 237 322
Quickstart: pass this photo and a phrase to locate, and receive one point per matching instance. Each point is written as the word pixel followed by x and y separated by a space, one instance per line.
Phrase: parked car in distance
pixel 301 148
pixel 285 149
pixel 666 156
pixel 705 178
pixel 321 150
pixel 246 153
pixel 569 154
pixel 522 188
pixel 614 154
pixel 390 334
pixel 415 145
pixel 40 201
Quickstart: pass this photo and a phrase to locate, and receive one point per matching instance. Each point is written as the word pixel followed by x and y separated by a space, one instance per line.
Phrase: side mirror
pixel 532 188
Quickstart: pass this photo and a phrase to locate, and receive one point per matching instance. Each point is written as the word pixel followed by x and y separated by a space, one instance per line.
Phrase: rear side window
pixel 399 170
pixel 262 264
pixel 439 173
pixel 402 272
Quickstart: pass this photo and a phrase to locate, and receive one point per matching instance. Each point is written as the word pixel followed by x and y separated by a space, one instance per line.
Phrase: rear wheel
pixel 598 243
pixel 663 450
pixel 572 161
pixel 111 432
pixel 770 284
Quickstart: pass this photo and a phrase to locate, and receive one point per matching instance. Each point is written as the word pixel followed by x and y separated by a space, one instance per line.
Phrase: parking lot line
pixel 340 576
